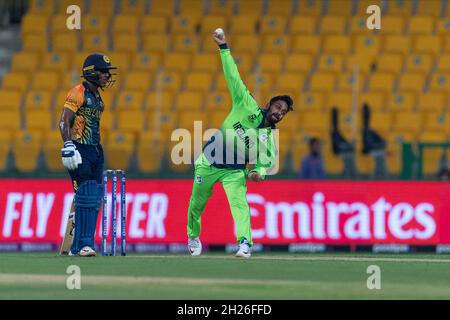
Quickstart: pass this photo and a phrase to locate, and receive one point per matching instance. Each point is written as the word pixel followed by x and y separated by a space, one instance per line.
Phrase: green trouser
pixel 234 184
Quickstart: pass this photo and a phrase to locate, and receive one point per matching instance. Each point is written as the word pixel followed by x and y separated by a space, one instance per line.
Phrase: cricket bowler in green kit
pixel 245 137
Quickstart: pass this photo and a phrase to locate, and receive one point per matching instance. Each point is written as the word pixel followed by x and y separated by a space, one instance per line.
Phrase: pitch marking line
pixel 278 258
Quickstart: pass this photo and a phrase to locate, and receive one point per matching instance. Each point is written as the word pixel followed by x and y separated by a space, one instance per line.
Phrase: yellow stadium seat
pixel 310 8
pixel 299 62
pixel 62 5
pixel 95 24
pixel 10 99
pixel 65 42
pixel 302 25
pixel 367 45
pixel 381 81
pixel 250 8
pixel 130 121
pixel 325 81
pixel 209 46
pixel 358 25
pixel 399 8
pixel 347 122
pixel 58 24
pixel 243 25
pixel 315 121
pixel 246 44
pixel 390 62
pixel 191 8
pixel 10 120
pixel 95 42
pixel 208 62
pixel 209 23
pixel 442 26
pixel 15 81
pixel 198 81
pixel 165 121
pixel 39 100
pixel 375 100
pixel 186 120
pixel 25 61
pixel 258 82
pixel 394 151
pixel 41 7
pixel 430 8
pixel 123 23
pixel 393 25
pixel 331 63
pixel 340 8
pixel 401 102
pixel 185 43
pixel 397 44
pixel 33 24
pixel 359 62
pixel 133 7
pixel 219 101
pixel 45 80
pixel 282 8
pixel 121 60
pixel 35 43
pixel 177 62
pixel 216 118
pixel 5 148
pixel 148 62
pixel 154 25
pixel 107 123
pixel 162 8
pixel 38 121
pixel 336 44
pixel 421 25
pixel 138 80
pixel 156 100
pixel 189 101
pixel 347 81
pixel 333 164
pixel 381 122
pixel 427 44
pixel 169 80
pixel 77 60
pixel 156 43
pixel 70 79
pixel 432 102
pixel 332 25
pixel 440 81
pixel 343 101
pixel 432 156
pixel 55 62
pixel 52 151
pixel 290 82
pixel 221 7
pixel 443 64
pixel 412 82
pixel 108 98
pixel 118 150
pixel 184 24
pixel 126 43
pixel 101 7
pixel 305 44
pixel 220 83
pixel 130 100
pixel 419 63
pixel 269 62
pixel 149 152
pixel 408 122
pixel 275 44
pixel 275 25
pixel 437 122
pixel 26 149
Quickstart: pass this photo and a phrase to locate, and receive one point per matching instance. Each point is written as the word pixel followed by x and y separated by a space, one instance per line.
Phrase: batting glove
pixel 71 157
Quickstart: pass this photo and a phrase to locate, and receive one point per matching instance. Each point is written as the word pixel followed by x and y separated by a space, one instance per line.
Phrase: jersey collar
pixel 261 125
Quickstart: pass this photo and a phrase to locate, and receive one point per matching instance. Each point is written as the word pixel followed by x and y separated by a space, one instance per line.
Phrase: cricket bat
pixel 68 236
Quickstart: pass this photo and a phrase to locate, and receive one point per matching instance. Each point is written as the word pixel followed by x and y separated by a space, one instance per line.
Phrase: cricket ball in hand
pixel 219 32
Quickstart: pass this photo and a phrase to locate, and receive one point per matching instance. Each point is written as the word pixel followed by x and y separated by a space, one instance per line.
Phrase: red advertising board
pixel 282 212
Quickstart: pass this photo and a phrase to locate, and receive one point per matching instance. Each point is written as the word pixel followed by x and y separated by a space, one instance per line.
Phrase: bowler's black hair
pixel 284 98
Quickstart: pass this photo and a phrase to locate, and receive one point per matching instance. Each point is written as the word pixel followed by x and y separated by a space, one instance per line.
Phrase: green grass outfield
pixel 221 276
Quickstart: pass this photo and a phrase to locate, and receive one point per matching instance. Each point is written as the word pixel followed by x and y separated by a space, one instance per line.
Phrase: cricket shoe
pixel 87 252
pixel 194 246
pixel 244 250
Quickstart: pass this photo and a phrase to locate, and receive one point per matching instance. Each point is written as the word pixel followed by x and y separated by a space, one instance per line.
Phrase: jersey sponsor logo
pixel 252 117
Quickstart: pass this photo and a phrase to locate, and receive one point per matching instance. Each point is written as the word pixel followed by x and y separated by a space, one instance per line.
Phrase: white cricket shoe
pixel 244 250
pixel 87 252
pixel 194 246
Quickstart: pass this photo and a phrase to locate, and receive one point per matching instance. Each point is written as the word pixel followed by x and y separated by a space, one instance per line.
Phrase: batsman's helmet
pixel 98 62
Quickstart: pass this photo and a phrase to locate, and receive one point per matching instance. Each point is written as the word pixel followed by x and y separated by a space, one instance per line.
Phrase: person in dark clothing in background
pixel 312 165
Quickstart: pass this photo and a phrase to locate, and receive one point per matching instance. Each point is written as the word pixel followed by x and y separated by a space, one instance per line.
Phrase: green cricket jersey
pixel 241 138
